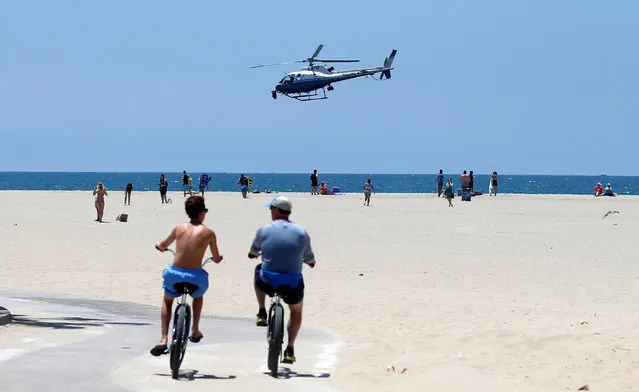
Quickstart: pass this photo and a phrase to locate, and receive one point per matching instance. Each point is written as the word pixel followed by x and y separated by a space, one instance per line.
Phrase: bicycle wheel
pixel 179 340
pixel 276 327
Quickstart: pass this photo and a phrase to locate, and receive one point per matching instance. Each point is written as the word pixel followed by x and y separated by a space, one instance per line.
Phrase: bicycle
pixel 181 323
pixel 275 328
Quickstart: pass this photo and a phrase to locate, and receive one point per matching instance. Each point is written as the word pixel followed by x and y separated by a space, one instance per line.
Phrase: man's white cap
pixel 282 203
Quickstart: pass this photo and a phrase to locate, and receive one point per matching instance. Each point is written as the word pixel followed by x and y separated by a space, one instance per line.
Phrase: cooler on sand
pixel 336 190
pixel 465 194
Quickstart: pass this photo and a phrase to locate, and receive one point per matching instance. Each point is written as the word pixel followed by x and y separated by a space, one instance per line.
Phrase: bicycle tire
pixel 276 337
pixel 179 342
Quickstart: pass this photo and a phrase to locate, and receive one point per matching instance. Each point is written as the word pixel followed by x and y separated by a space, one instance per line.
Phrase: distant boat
pixel 604 175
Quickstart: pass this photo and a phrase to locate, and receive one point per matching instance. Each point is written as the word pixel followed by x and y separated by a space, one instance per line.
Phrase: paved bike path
pixel 69 343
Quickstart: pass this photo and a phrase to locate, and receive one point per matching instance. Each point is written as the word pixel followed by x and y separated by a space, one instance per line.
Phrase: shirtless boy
pixel 192 239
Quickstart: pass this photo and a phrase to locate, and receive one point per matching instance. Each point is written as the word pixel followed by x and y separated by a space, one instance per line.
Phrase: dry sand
pixel 514 292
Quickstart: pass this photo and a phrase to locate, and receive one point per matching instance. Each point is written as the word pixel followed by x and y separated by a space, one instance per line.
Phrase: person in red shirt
pixel 598 189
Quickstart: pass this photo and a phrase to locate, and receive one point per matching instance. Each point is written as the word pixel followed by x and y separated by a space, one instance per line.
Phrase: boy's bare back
pixel 191 242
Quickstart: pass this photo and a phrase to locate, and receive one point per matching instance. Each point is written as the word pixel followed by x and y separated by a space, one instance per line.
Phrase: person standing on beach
pixel 465 180
pixel 127 193
pixel 471 182
pixel 185 183
pixel 164 186
pixel 98 193
pixel 284 247
pixel 203 182
pixel 314 182
pixel 192 240
pixel 368 188
pixel 493 184
pixel 449 192
pixel 440 182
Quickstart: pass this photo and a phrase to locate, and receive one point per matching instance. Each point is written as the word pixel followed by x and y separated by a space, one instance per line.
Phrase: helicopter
pixel 304 85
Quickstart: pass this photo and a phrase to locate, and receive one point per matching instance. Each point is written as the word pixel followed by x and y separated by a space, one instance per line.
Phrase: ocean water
pixel 299 182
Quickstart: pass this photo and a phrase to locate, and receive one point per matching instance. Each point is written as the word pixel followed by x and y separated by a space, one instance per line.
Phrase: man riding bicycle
pixel 284 247
pixel 192 240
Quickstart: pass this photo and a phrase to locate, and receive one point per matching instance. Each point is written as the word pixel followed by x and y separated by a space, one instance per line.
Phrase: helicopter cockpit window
pixel 282 81
pixel 299 76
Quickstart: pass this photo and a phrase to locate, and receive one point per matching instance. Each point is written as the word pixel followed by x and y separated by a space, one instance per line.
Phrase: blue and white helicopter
pixel 303 85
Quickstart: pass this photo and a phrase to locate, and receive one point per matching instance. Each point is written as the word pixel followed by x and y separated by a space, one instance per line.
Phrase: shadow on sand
pixel 192 374
pixel 285 372
pixel 66 322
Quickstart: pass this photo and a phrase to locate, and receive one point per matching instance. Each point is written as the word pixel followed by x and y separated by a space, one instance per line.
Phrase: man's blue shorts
pixel 194 276
pixel 291 286
pixel 244 188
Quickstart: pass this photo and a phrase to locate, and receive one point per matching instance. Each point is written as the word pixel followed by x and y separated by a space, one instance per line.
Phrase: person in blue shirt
pixel 284 247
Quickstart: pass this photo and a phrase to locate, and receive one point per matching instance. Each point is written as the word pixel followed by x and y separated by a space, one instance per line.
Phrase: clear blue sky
pixel 521 87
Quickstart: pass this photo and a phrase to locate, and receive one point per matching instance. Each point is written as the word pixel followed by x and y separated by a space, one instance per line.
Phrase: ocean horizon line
pixel 298 173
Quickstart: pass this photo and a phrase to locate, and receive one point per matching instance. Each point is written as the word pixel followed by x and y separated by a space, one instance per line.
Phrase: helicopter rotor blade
pixel 270 65
pixel 338 61
pixel 319 49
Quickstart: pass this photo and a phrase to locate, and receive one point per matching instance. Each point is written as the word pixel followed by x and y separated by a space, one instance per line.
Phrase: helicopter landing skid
pixel 308 96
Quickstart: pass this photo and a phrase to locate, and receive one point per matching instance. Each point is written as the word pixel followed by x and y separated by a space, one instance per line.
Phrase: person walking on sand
pixel 203 182
pixel 368 188
pixel 164 186
pixel 127 194
pixel 186 187
pixel 449 192
pixel 244 183
pixel 493 184
pixel 98 194
pixel 192 240
pixel 314 182
pixel 440 182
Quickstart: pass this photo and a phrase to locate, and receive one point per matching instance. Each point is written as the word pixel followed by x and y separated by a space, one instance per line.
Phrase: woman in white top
pixel 368 188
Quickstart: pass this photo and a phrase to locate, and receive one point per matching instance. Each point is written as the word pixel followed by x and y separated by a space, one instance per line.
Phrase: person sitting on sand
pixel 192 239
pixel 324 189
pixel 449 192
pixel 99 192
pixel 368 188
pixel 608 191
pixel 127 193
pixel 598 189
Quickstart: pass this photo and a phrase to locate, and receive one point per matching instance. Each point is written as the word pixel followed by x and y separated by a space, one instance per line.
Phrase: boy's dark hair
pixel 193 206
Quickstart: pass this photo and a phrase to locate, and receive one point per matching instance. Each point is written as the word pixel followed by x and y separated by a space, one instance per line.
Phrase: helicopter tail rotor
pixel 388 62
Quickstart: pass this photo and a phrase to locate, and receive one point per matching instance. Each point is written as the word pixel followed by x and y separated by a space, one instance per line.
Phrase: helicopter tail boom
pixel 388 62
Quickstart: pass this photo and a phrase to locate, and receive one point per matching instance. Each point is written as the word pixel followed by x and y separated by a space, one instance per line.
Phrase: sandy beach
pixel 514 292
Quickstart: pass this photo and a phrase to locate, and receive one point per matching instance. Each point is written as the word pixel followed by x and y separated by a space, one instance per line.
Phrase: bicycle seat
pixel 183 287
pixel 282 290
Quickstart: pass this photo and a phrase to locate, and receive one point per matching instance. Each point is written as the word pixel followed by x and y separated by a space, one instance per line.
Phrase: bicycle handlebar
pixel 252 256
pixel 205 262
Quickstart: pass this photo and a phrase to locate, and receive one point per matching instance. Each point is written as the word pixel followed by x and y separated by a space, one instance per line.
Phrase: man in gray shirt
pixel 284 247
